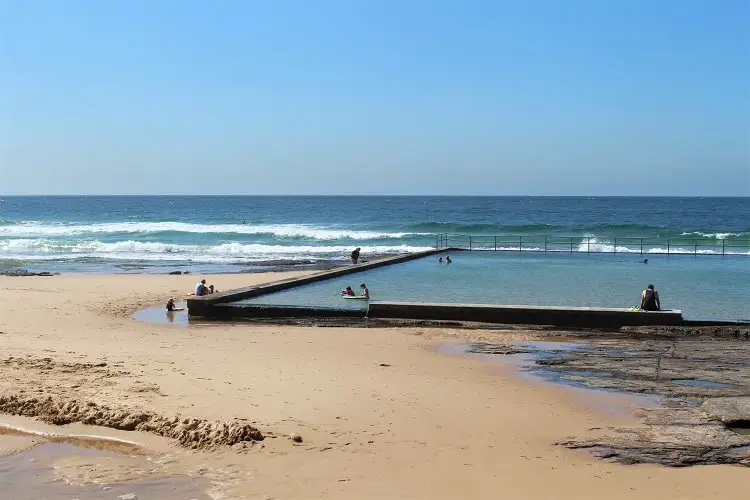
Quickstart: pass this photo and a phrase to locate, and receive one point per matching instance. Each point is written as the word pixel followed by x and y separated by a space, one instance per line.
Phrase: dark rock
pixel 24 273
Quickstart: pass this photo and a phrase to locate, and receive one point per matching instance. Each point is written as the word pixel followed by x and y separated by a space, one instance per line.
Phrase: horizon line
pixel 367 195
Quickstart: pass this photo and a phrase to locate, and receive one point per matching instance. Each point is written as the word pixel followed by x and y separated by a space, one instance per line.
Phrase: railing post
pixel 695 251
pixel 588 244
pixel 571 244
pixel 615 245
pixel 641 246
pixel 520 244
pixel 469 242
pixel 545 244
pixel 496 243
pixel 722 247
pixel 668 242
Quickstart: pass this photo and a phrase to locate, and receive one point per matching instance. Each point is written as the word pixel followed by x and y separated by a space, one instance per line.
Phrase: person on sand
pixel 201 289
pixel 171 307
pixel 365 291
pixel 348 291
pixel 211 289
pixel 650 299
pixel 355 255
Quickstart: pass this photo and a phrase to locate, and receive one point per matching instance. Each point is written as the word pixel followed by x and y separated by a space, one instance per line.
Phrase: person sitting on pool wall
pixel 650 299
pixel 200 289
pixel 365 291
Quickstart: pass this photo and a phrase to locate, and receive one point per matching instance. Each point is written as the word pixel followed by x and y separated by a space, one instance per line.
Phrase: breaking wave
pixel 45 249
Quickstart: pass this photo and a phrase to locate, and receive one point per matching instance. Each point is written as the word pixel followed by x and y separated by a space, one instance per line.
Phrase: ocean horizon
pixel 125 233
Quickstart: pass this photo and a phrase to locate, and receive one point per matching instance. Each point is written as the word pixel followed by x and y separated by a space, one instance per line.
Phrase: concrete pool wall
pixel 586 317
pixel 581 317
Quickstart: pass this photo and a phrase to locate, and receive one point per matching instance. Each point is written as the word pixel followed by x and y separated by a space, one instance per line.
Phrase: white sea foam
pixel 718 236
pixel 45 249
pixel 300 231
pixel 593 245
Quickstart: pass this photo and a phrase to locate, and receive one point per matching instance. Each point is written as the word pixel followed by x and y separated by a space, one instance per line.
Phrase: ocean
pixel 206 233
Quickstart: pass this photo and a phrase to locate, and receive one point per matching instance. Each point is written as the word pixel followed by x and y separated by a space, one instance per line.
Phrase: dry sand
pixel 380 413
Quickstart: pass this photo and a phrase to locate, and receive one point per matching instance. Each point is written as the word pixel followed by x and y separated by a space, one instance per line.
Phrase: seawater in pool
pixel 702 286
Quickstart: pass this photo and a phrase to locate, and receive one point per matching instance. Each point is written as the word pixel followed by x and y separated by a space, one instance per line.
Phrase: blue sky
pixel 541 97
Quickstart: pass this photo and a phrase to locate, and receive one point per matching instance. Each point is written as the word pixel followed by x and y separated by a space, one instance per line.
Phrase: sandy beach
pixel 379 412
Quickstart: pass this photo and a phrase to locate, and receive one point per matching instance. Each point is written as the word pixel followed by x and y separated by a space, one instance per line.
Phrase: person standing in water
pixel 355 255
pixel 448 259
pixel 650 299
pixel 172 308
pixel 365 291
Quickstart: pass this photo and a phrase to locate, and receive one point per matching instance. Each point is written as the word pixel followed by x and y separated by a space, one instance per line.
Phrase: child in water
pixel 348 291
pixel 171 307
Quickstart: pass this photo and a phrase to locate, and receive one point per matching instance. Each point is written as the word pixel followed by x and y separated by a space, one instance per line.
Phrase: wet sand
pixel 378 412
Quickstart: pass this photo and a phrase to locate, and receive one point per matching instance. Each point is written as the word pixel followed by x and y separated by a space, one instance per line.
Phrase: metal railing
pixel 576 244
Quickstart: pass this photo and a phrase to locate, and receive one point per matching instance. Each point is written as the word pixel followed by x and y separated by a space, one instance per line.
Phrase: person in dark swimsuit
pixel 355 255
pixel 171 307
pixel 650 299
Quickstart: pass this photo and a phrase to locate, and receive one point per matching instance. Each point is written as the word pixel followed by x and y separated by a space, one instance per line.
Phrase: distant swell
pixel 445 227
pixel 288 231
pixel 536 229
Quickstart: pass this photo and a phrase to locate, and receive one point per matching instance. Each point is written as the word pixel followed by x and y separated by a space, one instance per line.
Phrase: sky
pixel 576 97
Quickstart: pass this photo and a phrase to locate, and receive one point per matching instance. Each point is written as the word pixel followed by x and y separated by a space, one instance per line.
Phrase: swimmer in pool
pixel 448 259
pixel 365 291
